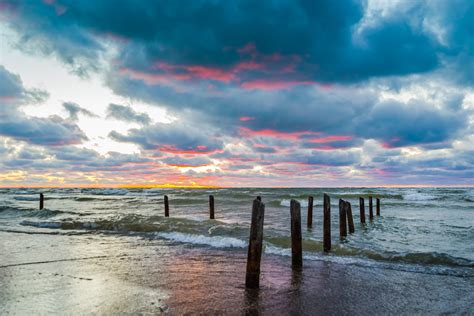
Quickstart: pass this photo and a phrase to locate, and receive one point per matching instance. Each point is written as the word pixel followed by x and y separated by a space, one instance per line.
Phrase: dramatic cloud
pixel 363 92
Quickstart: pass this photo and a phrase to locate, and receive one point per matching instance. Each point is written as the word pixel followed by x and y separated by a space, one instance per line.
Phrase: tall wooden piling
pixel 327 223
pixel 167 207
pixel 310 211
pixel 41 206
pixel 254 256
pixel 362 210
pixel 296 239
pixel 350 220
pixel 371 209
pixel 377 206
pixel 342 220
pixel 211 206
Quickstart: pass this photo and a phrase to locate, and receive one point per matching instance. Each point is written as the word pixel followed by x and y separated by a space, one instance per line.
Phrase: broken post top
pixel 294 202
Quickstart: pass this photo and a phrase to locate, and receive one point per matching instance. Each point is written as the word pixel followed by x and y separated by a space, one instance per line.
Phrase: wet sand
pixel 97 274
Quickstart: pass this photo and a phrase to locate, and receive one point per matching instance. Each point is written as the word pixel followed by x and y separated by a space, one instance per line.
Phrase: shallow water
pixel 428 230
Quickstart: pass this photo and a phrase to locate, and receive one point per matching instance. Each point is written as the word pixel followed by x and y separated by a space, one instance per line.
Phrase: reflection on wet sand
pixel 148 276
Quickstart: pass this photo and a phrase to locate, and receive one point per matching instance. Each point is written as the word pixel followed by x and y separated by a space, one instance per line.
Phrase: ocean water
pixel 425 230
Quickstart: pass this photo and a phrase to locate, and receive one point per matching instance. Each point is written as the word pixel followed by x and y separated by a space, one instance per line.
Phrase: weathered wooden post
pixel 371 209
pixel 167 207
pixel 378 206
pixel 310 211
pixel 350 220
pixel 254 256
pixel 211 206
pixel 296 239
pixel 41 206
pixel 362 210
pixel 327 223
pixel 342 220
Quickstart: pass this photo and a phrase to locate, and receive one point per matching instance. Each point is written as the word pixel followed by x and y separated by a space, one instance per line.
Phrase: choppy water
pixel 428 230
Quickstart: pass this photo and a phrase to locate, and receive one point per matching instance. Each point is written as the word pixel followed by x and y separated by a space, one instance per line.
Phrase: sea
pixel 424 230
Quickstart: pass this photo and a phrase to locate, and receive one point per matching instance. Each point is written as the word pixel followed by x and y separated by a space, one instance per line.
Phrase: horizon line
pixel 173 186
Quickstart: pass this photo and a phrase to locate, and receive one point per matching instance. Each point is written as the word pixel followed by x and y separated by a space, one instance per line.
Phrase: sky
pixel 236 93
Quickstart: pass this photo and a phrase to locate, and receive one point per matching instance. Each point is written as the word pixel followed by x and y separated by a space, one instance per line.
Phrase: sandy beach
pixel 96 274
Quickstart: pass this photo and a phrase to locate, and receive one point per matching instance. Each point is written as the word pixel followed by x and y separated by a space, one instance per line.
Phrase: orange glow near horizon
pixel 208 186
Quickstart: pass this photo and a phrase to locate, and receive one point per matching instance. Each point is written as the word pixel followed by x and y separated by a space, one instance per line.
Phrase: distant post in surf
pixel 371 209
pixel 211 206
pixel 362 210
pixel 167 207
pixel 350 220
pixel 310 211
pixel 342 219
pixel 41 206
pixel 377 206
pixel 254 256
pixel 296 239
pixel 327 223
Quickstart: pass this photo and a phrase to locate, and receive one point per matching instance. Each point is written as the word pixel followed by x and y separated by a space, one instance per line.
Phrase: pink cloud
pixel 274 85
pixel 275 134
pixel 249 48
pixel 153 78
pixel 247 118
pixel 332 138
pixel 390 144
pixel 209 73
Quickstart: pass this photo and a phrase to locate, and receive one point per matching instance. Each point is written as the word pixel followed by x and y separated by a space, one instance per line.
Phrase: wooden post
pixel 342 220
pixel 378 206
pixel 254 256
pixel 350 220
pixel 327 223
pixel 211 206
pixel 296 239
pixel 371 209
pixel 167 207
pixel 41 206
pixel 310 211
pixel 362 210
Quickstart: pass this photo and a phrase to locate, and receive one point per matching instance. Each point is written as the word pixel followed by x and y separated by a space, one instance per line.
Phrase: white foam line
pixel 213 241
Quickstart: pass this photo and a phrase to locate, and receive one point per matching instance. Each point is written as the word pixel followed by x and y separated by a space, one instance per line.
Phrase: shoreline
pixel 121 274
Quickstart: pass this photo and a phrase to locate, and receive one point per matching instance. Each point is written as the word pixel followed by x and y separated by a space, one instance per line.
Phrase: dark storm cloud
pixel 324 38
pixel 74 110
pixel 127 114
